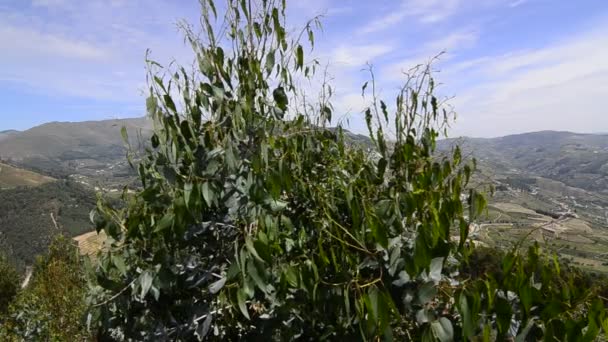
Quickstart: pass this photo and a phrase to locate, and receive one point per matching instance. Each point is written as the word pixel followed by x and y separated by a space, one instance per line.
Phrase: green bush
pixel 52 307
pixel 9 284
pixel 256 221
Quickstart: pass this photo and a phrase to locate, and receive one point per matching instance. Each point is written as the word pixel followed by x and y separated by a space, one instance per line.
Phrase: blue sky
pixel 511 65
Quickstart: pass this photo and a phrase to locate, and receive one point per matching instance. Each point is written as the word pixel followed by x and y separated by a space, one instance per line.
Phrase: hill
pixel 551 187
pixel 11 176
pixel 7 134
pixel 93 150
pixel 27 215
pixel 578 160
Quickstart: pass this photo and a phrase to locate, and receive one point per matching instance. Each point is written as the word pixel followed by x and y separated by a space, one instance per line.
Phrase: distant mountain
pixel 7 133
pixel 62 139
pixel 92 148
pixel 578 160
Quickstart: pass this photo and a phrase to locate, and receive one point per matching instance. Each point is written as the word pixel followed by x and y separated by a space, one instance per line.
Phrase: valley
pixel 549 187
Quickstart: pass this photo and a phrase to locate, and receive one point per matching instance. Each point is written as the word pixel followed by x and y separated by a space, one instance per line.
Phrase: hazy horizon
pixel 450 136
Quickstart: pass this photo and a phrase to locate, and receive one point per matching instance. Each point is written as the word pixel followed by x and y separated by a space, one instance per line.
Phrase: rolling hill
pixel 92 150
pixel 7 134
pixel 11 176
pixel 578 160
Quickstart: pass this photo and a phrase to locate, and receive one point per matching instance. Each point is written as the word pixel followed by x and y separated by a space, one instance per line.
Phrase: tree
pixel 52 307
pixel 9 284
pixel 257 221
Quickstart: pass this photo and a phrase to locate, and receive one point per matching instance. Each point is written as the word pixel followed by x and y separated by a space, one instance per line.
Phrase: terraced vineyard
pixel 575 237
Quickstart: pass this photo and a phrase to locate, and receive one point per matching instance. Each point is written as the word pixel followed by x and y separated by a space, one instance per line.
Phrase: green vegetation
pixel 255 222
pixel 52 307
pixel 27 214
pixel 11 176
pixel 9 284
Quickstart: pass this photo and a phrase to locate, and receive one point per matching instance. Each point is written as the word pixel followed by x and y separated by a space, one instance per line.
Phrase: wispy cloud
pixel 21 42
pixel 517 3
pixel 548 88
pixel 424 11
pixel 450 44
pixel 358 55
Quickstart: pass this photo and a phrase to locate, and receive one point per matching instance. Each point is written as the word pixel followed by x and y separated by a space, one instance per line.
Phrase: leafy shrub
pixel 255 221
pixel 52 307
pixel 9 284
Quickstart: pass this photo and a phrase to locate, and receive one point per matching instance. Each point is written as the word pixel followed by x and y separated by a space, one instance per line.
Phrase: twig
pixel 116 295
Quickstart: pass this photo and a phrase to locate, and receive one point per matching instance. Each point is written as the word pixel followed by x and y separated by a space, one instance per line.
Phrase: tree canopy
pixel 255 220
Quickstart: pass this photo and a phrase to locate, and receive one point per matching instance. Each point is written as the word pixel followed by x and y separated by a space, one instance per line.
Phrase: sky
pixel 509 66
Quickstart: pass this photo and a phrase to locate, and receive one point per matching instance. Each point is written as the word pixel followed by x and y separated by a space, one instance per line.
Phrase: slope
pixel 11 176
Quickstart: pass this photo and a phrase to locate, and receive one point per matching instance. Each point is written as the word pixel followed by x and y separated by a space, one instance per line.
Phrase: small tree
pixel 52 307
pixel 257 222
pixel 9 284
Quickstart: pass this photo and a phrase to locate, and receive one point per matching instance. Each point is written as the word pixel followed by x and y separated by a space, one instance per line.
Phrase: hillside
pixel 7 134
pixel 11 176
pixel 93 150
pixel 551 187
pixel 578 160
pixel 26 225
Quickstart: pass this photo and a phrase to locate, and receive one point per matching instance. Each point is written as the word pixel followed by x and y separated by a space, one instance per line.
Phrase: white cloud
pixel 452 41
pixel 556 87
pixel 517 3
pixel 426 11
pixel 20 41
pixel 450 44
pixel 358 55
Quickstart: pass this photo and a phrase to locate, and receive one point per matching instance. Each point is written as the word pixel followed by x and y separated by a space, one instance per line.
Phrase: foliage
pixel 9 284
pixel 26 226
pixel 528 296
pixel 52 307
pixel 257 222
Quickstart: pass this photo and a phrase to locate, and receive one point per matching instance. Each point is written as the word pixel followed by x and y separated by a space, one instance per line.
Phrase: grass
pixel 11 177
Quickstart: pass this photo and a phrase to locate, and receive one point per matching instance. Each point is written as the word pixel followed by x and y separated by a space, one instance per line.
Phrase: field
pixel 574 240
pixel 90 243
pixel 11 177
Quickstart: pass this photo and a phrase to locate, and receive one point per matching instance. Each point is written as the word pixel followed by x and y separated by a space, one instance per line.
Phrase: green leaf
pixel 299 57
pixel 207 194
pixel 521 337
pixel 165 222
pixel 363 88
pixel 169 103
pixel 435 269
pixel 145 281
pixel 427 292
pixel 187 193
pixel 251 249
pixel 280 97
pixel 255 275
pixel 291 276
pixel 217 286
pixel 125 136
pixel 240 295
pixel 119 262
pixel 270 61
pixel 442 329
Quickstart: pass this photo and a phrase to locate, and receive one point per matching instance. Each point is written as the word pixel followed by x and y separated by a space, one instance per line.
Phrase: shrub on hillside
pixel 52 307
pixel 9 284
